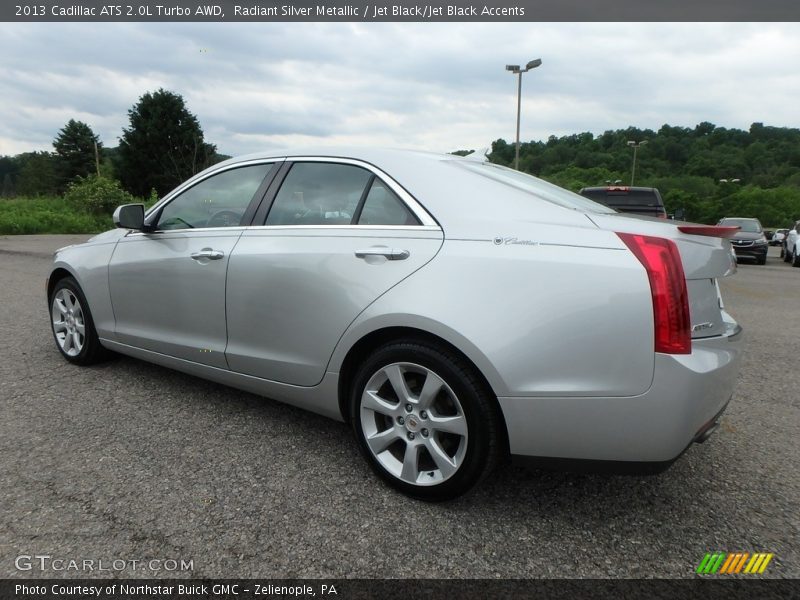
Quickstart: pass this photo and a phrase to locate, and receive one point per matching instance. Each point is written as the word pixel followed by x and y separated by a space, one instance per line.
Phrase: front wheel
pixel 425 420
pixel 795 257
pixel 72 324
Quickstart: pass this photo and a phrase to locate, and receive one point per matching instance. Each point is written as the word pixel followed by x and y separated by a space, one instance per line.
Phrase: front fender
pixel 88 265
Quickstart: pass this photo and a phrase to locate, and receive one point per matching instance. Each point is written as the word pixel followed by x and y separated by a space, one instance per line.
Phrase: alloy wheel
pixel 413 424
pixel 69 324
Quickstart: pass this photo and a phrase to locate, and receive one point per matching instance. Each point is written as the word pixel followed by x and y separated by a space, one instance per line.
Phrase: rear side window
pixel 322 193
pixel 319 194
pixel 383 207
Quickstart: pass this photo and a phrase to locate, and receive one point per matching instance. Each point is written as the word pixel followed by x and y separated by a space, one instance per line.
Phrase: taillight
pixel 662 261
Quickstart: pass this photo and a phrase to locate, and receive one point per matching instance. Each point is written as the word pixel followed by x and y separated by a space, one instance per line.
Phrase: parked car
pixel 638 200
pixel 791 251
pixel 749 241
pixel 444 307
pixel 778 237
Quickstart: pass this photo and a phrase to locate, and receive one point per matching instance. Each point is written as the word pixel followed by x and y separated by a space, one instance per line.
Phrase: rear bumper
pixel 688 394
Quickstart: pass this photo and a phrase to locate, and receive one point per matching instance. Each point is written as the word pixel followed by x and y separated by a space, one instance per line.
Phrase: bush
pixel 97 195
pixel 47 215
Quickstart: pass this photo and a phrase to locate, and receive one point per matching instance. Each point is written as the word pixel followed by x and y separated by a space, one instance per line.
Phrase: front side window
pixel 319 194
pixel 219 201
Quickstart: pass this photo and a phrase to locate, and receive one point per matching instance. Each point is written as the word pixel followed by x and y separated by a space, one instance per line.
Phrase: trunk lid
pixel 704 258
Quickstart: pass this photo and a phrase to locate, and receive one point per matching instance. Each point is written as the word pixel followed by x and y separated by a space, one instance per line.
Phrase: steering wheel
pixel 224 218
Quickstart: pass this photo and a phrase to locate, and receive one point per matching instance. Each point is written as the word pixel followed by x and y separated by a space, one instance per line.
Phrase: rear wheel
pixel 795 257
pixel 424 420
pixel 72 325
pixel 785 254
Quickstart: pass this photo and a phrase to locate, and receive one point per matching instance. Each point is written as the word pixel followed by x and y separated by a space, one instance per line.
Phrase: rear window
pixel 747 225
pixel 533 185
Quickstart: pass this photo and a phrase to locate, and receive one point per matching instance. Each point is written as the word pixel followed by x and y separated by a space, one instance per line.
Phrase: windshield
pixel 535 186
pixel 747 225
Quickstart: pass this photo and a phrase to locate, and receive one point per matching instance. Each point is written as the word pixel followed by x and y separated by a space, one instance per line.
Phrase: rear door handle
pixel 207 253
pixel 390 253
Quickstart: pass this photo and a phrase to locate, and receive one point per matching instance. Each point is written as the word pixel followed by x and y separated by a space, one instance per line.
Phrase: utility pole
pixel 96 159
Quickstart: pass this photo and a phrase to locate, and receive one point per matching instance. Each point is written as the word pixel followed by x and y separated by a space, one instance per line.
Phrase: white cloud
pixel 438 86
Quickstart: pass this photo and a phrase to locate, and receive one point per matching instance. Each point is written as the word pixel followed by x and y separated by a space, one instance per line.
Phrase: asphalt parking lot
pixel 131 461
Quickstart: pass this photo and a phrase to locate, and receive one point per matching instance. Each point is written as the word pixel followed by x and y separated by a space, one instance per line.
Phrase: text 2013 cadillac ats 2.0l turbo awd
pixel 453 311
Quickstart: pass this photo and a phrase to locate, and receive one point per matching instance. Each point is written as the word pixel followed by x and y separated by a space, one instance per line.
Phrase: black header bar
pixel 401 10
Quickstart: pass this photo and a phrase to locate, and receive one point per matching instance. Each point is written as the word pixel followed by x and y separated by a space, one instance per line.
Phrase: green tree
pixel 38 174
pixel 8 189
pixel 75 151
pixel 9 168
pixel 163 146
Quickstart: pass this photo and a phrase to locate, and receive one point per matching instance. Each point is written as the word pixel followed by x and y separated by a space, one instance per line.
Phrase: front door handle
pixel 390 253
pixel 208 254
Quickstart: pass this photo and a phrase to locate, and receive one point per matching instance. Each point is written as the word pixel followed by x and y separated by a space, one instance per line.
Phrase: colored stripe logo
pixel 728 563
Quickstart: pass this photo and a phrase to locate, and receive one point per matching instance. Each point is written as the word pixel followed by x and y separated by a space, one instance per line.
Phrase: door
pixel 337 236
pixel 168 286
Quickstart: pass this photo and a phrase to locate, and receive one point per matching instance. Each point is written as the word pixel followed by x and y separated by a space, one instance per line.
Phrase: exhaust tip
pixel 706 433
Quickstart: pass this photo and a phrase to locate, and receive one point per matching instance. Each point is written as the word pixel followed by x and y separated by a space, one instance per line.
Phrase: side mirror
pixel 129 216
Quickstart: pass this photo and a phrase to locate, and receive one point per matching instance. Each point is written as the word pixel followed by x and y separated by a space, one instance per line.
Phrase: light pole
pixel 635 146
pixel 518 72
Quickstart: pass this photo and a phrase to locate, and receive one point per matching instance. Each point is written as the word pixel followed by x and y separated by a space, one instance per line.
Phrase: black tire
pixel 795 257
pixel 91 351
pixel 785 255
pixel 762 260
pixel 475 406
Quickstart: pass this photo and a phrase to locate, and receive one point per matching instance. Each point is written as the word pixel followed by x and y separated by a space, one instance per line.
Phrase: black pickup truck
pixel 639 200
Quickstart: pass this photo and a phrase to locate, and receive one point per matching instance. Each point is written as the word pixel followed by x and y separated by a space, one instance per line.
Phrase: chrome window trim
pixel 341 227
pixel 411 203
pixel 162 232
pixel 426 220
pixel 245 229
pixel 195 179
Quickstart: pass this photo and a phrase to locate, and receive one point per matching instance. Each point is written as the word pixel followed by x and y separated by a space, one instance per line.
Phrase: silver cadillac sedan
pixel 453 311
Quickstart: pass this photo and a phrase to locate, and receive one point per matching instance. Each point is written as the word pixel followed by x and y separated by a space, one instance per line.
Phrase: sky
pixel 432 86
